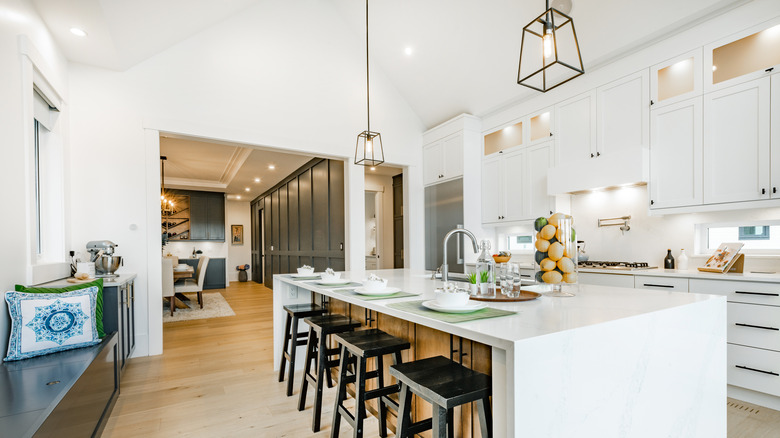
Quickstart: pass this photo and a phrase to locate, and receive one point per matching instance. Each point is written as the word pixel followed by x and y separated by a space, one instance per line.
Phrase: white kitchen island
pixel 609 362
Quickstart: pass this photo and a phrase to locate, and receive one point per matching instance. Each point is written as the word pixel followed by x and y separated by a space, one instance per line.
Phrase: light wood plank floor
pixel 216 379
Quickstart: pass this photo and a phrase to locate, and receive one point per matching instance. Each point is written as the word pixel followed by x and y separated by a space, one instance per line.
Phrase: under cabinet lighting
pixel 78 32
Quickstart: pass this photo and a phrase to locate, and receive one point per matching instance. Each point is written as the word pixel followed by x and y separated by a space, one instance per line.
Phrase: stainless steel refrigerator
pixel 444 212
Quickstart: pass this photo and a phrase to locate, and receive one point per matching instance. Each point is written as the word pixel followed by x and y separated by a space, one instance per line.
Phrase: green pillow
pixel 56 290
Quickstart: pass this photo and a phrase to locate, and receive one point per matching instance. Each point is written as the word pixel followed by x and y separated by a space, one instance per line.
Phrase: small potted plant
pixel 473 283
pixel 484 281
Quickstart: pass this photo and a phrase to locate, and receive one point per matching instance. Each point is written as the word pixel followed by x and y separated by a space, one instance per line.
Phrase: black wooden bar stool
pixel 444 384
pixel 319 355
pixel 294 313
pixel 358 347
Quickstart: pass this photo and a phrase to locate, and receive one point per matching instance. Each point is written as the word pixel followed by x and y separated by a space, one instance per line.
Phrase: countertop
pixel 123 278
pixel 592 305
pixel 690 273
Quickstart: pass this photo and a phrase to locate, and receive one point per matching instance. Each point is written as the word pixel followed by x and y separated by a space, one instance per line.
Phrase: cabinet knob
pixel 652 202
pixel 769 70
pixel 598 154
pixel 652 103
pixel 500 152
pixel 774 189
pixel 763 191
pixel 591 155
pixel 551 134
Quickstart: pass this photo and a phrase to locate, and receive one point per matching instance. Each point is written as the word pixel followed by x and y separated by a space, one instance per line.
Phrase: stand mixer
pixel 102 253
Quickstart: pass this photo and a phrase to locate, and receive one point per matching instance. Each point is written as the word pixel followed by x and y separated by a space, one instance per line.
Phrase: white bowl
pixel 334 276
pixel 305 271
pixel 374 285
pixel 452 299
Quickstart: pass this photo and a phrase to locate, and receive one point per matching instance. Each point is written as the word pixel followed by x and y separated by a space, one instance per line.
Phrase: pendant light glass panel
pixel 549 53
pixel 368 151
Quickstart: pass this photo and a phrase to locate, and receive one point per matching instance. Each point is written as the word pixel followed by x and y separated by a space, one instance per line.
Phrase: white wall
pixel 20 18
pixel 384 184
pixel 282 74
pixel 238 213
pixel 650 236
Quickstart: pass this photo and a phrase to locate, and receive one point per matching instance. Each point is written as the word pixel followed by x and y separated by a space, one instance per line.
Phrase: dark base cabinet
pixel 119 316
pixel 215 272
pixel 65 394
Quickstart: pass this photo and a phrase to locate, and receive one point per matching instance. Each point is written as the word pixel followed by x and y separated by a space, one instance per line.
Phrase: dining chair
pixel 195 284
pixel 167 282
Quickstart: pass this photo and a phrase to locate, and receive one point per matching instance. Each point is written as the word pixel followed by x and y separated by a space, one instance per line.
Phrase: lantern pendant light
pixel 368 150
pixel 549 52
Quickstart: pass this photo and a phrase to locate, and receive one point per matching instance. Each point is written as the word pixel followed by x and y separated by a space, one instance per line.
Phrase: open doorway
pixel 382 230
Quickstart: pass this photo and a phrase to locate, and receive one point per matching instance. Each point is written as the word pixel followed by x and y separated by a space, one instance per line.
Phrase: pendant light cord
pixel 368 94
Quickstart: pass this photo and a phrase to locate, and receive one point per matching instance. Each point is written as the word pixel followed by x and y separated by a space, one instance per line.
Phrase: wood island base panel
pixel 608 362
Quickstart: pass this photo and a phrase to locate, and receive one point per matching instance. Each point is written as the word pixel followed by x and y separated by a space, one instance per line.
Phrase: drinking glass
pixel 516 280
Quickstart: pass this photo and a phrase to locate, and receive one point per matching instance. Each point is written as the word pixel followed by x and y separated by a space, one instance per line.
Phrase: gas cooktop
pixel 618 266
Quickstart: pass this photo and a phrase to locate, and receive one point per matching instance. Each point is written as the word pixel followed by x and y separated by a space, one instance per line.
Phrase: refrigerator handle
pixel 459 246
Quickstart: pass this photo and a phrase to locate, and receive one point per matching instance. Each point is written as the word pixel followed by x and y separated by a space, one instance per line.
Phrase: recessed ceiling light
pixel 78 32
pixel 238 196
pixel 247 189
pixel 408 51
pixel 257 179
pixel 271 166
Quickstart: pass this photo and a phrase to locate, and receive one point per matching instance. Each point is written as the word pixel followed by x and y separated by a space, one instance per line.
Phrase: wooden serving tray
pixel 524 296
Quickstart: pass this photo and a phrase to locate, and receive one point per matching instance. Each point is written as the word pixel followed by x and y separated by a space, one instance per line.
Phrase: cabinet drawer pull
pixel 525 276
pixel 756 326
pixel 756 293
pixel 657 285
pixel 756 370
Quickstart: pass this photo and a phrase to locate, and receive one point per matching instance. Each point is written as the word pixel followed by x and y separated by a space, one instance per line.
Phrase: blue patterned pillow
pixel 47 323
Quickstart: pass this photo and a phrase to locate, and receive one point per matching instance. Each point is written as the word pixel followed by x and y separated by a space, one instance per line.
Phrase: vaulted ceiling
pixel 463 53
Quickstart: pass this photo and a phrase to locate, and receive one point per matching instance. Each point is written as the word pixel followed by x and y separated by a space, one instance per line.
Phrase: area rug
pixel 214 306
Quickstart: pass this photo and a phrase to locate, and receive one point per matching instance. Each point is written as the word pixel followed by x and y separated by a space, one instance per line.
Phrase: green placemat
pixel 416 307
pixel 312 277
pixel 335 286
pixel 374 297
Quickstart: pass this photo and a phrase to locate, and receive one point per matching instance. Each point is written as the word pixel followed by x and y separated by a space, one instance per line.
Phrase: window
pixel 520 242
pixel 759 238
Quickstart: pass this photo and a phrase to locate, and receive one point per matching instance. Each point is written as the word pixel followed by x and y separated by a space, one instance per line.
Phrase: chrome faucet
pixel 444 268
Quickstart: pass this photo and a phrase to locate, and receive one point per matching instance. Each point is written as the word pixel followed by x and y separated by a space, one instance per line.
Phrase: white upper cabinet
pixel 677 79
pixel 540 158
pixel 623 114
pixel 747 55
pixel 675 155
pixel 491 190
pixel 736 143
pixel 514 174
pixel 775 135
pixel 575 128
pixel 504 139
pixel 540 127
pixel 443 159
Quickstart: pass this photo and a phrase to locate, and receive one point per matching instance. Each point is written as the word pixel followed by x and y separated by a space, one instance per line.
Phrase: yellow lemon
pixel 566 265
pixel 571 277
pixel 547 265
pixel 548 232
pixel 552 277
pixel 542 245
pixel 555 251
pixel 556 219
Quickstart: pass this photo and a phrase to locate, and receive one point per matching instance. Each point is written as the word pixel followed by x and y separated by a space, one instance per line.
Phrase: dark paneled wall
pixel 304 222
pixel 398 221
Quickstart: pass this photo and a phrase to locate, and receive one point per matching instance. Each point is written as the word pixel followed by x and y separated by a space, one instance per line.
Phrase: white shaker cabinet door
pixel 514 199
pixel 432 166
pixel 575 128
pixel 452 157
pixel 540 158
pixel 491 188
pixel 675 155
pixel 736 143
pixel 775 135
pixel 623 114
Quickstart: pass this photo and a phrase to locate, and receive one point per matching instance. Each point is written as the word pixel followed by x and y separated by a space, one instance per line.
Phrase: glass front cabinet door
pixel 742 57
pixel 676 79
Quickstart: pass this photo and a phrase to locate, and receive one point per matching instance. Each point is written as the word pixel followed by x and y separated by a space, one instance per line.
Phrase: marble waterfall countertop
pixel 607 362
